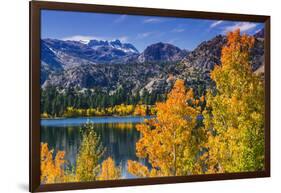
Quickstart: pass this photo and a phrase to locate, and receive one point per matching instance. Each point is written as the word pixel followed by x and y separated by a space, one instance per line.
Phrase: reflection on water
pixel 119 138
pixel 77 121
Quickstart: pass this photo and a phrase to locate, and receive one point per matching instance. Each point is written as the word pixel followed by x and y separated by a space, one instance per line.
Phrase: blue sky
pixel 141 31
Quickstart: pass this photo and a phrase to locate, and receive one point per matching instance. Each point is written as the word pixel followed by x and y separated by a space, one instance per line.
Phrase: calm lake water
pixel 118 135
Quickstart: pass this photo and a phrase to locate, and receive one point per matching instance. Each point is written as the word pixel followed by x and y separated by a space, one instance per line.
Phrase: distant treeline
pixel 117 110
pixel 74 102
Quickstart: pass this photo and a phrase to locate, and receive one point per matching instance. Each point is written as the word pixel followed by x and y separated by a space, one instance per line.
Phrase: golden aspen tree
pixel 51 169
pixel 90 152
pixel 234 113
pixel 109 171
pixel 140 110
pixel 167 141
pixel 138 169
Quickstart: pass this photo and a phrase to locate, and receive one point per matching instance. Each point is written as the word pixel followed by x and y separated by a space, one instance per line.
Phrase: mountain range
pixel 109 65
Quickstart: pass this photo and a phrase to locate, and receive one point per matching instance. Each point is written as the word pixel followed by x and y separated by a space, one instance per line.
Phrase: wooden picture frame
pixel 34 99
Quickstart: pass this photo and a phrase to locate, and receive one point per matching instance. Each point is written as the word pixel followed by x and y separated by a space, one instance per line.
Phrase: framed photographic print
pixel 123 96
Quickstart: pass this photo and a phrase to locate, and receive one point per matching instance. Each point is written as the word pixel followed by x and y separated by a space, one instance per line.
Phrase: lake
pixel 118 136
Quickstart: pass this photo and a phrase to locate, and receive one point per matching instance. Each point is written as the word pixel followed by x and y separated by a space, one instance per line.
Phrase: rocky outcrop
pixel 107 66
pixel 161 52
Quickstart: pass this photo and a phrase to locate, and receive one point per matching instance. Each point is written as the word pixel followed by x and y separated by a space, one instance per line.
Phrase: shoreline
pixel 105 116
pixel 76 121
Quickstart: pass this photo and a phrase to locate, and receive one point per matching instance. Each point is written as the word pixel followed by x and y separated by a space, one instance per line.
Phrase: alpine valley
pixel 117 68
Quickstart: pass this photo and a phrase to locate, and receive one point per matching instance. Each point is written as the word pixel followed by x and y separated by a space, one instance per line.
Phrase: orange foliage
pixel 51 169
pixel 137 169
pixel 109 171
pixel 235 116
pixel 140 110
pixel 167 139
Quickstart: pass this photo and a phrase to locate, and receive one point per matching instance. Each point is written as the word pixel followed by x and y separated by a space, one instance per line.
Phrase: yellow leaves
pixel 166 140
pixel 90 152
pixel 236 111
pixel 122 126
pixel 237 51
pixel 123 109
pixel 235 71
pixel 137 169
pixel 202 98
pixel 45 115
pixel 140 110
pixel 234 101
pixel 51 170
pixel 235 41
pixel 174 142
pixel 87 162
pixel 256 116
pixel 109 171
pixel 120 110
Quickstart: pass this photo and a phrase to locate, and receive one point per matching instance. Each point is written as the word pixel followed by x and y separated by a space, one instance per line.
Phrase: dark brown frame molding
pixel 34 98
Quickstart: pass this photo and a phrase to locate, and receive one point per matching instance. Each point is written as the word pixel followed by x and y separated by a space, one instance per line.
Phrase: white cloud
pixel 152 20
pixel 216 23
pixel 120 19
pixel 258 30
pixel 144 35
pixel 81 38
pixel 243 26
pixel 123 38
pixel 178 30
